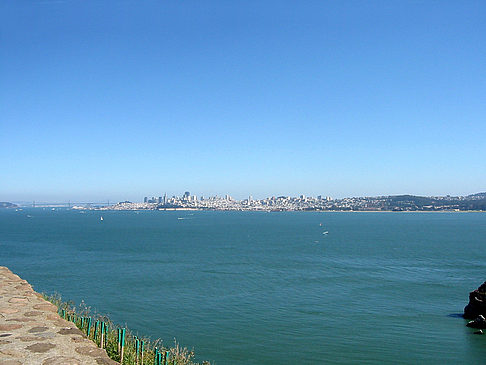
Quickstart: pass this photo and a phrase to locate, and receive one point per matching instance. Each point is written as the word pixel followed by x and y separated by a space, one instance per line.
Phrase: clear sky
pixel 121 99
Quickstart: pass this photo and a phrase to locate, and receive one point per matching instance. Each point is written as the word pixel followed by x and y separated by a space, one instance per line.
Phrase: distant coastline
pixel 396 203
pixel 393 203
pixel 8 205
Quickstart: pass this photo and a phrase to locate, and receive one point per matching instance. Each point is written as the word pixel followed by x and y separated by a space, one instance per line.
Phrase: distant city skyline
pixel 119 100
pixel 187 201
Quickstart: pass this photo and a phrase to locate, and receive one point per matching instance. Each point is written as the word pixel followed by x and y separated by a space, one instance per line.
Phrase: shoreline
pixel 285 211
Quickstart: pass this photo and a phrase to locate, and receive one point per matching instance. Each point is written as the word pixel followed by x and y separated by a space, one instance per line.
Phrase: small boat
pixel 101 218
pixel 326 232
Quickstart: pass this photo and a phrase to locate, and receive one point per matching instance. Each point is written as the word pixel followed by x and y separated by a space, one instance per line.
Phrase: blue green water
pixel 266 288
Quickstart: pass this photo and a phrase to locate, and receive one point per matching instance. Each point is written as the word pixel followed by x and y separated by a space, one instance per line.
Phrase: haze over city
pixel 120 100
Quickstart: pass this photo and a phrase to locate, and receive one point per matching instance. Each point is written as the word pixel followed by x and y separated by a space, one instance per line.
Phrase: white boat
pixel 326 232
pixel 101 218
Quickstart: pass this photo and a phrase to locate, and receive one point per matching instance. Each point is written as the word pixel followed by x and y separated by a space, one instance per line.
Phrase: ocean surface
pixel 266 288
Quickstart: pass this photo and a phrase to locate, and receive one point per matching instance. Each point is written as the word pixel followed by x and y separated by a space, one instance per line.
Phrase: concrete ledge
pixel 31 331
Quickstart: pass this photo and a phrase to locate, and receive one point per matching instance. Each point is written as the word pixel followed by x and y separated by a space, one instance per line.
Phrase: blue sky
pixel 121 99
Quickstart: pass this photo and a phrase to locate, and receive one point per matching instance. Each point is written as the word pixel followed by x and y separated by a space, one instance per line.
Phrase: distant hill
pixel 7 205
pixel 411 202
pixel 477 196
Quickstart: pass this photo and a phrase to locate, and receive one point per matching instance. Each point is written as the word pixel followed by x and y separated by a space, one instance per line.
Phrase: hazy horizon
pixel 120 100
pixel 141 197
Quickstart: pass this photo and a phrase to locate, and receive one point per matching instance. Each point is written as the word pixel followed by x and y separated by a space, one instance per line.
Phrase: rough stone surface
pixel 61 360
pixel 38 329
pixel 89 351
pixel 9 327
pixel 477 303
pixel 11 353
pixel 78 339
pixel 46 307
pixel 70 331
pixel 28 338
pixel 32 313
pixel 8 310
pixel 10 362
pixel 40 347
pixel 105 361
pixel 45 335
pixel 32 333
pixel 20 320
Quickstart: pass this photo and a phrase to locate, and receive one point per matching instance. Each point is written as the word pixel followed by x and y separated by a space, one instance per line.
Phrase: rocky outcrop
pixel 479 323
pixel 477 303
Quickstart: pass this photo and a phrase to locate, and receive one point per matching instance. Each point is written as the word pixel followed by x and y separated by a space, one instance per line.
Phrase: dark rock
pixel 477 303
pixel 479 323
pixel 40 347
pixel 70 331
pixel 38 329
pixel 29 338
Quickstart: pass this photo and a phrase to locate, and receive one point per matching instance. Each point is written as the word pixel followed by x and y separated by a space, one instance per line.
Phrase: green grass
pixel 79 315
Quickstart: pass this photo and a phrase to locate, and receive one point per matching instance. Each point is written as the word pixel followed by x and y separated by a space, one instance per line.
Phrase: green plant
pixel 108 335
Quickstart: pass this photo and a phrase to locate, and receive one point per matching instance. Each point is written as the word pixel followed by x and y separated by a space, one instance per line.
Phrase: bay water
pixel 266 288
